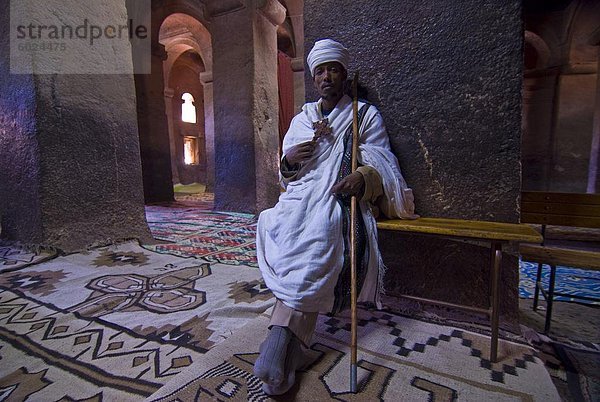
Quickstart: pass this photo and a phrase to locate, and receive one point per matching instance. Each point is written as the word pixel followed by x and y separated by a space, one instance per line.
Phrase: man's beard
pixel 332 95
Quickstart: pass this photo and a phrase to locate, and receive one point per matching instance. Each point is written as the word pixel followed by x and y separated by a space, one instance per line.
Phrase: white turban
pixel 327 50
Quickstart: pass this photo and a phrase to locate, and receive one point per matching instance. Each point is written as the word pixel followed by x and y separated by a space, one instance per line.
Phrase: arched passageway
pixel 188 70
pixel 561 96
pixel 233 145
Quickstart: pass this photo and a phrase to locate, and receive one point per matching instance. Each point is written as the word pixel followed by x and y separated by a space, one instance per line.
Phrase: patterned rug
pixel 202 200
pixel 399 359
pixel 571 280
pixel 14 256
pixel 573 365
pixel 116 323
pixel 123 323
pixel 222 237
pixel 229 238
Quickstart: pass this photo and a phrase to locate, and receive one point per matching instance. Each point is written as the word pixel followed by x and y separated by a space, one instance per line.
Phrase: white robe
pixel 299 242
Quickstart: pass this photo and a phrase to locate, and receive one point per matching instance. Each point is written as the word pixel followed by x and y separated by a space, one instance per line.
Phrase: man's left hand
pixel 353 184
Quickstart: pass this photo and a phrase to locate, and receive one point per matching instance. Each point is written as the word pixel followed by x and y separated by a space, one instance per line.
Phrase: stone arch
pixel 537 52
pixel 183 77
pixel 293 25
pixel 180 32
pixel 290 46
pixel 293 28
pixel 153 125
pixel 539 87
pixel 182 37
pixel 560 141
pixel 242 56
pixel 285 78
pixel 162 9
pixel 285 39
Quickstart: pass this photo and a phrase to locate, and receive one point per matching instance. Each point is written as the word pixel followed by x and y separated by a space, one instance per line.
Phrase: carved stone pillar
pixel 299 96
pixel 206 78
pixel 245 102
pixel 539 96
pixel 295 14
pixel 154 130
pixel 168 95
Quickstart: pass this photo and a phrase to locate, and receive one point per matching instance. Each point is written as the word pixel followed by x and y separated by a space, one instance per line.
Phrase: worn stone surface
pixel 268 15
pixel 154 131
pixel 447 79
pixel 69 158
pixel 19 151
pixel 245 110
pixel 209 132
pixel 234 144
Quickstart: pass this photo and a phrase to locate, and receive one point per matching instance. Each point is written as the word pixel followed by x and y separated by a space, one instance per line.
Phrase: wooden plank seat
pixel 561 209
pixel 496 233
pixel 561 256
pixel 473 229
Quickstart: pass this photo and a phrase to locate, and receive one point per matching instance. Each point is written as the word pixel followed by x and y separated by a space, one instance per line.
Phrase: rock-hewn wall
pixel 19 153
pixel 69 156
pixel 447 78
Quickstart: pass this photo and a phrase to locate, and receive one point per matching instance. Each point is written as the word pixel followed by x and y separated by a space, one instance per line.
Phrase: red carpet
pixel 194 230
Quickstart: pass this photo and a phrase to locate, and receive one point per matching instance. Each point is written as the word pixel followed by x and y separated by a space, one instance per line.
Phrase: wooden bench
pixel 496 233
pixel 561 209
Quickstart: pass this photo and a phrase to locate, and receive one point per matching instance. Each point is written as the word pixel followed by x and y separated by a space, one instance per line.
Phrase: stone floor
pixel 569 320
pixel 575 321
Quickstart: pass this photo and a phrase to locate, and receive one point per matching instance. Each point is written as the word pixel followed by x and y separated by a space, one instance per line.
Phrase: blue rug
pixel 568 280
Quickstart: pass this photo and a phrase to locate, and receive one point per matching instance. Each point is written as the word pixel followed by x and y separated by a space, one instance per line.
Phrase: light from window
pixel 189 150
pixel 188 110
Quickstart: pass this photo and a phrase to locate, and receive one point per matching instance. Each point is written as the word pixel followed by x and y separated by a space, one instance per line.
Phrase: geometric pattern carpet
pixel 126 322
pixel 195 231
pixel 222 237
pixel 568 280
pixel 573 365
pixel 399 359
pixel 116 323
pixel 14 256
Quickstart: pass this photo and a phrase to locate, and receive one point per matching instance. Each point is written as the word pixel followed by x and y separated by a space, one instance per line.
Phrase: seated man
pixel 303 242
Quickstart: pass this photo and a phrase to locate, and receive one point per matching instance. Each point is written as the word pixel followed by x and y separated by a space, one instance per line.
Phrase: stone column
pixel 206 78
pixel 168 94
pixel 154 130
pixel 245 102
pixel 539 90
pixel 295 10
pixel 299 96
pixel 70 171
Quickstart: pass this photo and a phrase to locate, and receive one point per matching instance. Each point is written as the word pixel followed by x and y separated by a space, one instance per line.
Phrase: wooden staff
pixel 353 288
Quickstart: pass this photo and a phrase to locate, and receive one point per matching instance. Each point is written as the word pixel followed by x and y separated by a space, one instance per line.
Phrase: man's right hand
pixel 300 153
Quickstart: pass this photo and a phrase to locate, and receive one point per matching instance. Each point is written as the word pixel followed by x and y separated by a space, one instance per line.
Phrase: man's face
pixel 329 80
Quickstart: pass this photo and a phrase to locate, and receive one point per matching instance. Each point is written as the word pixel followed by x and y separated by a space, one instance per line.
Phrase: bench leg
pixel 550 299
pixel 538 283
pixel 495 310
